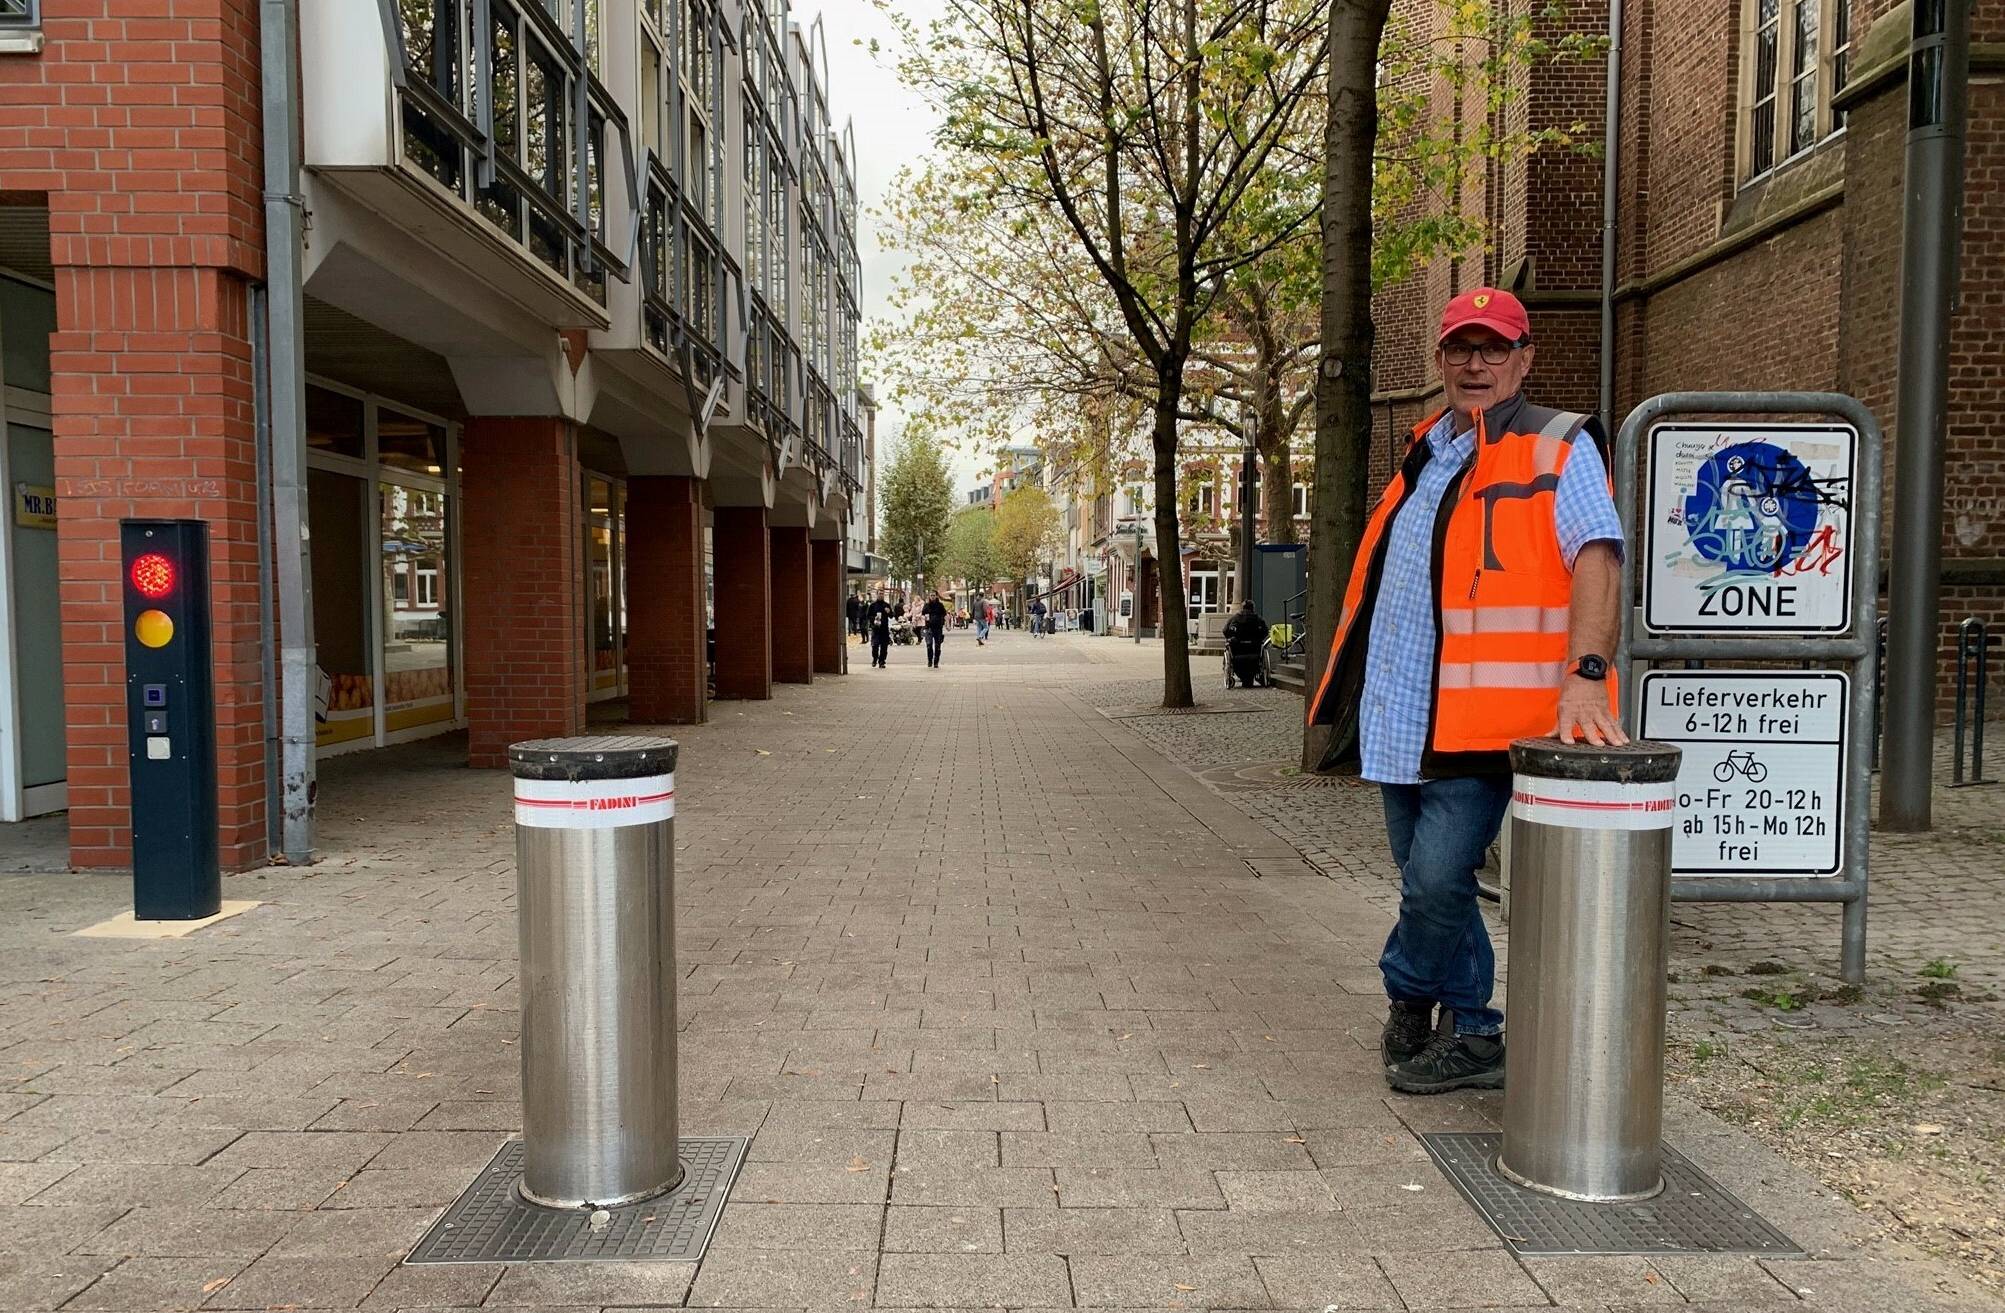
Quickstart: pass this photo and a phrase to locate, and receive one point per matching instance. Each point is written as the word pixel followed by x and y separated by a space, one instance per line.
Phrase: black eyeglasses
pixel 1494 352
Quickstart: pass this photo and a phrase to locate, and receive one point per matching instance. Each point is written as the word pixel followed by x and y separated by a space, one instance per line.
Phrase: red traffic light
pixel 153 575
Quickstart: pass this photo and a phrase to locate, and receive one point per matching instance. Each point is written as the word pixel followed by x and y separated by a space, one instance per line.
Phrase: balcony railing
pixel 684 274
pixel 498 105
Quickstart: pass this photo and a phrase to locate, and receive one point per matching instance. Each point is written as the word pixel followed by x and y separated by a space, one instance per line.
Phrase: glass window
pixel 1301 500
pixel 417 621
pixel 337 506
pixel 650 98
pixel 334 423
pixel 599 563
pixel 1796 61
pixel 408 443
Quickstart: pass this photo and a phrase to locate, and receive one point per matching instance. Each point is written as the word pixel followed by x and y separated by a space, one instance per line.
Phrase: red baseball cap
pixel 1486 307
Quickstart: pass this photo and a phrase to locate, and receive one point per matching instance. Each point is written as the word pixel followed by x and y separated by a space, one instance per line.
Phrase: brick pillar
pixel 741 559
pixel 139 124
pixel 828 612
pixel 523 546
pixel 668 675
pixel 793 607
pixel 152 401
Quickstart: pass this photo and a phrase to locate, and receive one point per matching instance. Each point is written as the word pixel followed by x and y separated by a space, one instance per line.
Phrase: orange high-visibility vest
pixel 1503 587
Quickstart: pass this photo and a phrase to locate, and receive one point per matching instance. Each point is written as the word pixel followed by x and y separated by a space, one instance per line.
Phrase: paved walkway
pixel 1018 1013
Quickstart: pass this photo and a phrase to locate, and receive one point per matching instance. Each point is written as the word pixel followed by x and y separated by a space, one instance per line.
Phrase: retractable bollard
pixel 1590 880
pixel 595 868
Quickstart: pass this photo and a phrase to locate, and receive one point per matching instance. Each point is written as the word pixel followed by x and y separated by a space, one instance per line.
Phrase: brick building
pixel 580 315
pixel 1758 237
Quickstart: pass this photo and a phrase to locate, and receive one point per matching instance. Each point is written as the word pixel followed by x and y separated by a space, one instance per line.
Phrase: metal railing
pixel 1295 617
pixel 1973 649
pixel 449 133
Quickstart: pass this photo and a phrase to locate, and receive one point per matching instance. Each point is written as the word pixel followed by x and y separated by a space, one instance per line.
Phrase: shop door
pixel 37 623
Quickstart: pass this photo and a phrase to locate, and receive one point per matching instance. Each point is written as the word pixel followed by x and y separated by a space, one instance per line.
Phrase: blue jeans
pixel 1439 952
pixel 982 630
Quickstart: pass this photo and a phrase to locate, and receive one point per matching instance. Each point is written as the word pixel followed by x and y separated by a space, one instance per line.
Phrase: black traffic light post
pixel 170 711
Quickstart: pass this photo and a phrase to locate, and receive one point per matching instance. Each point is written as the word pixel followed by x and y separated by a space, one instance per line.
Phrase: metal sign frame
pixel 1856 647
pixel 1649 544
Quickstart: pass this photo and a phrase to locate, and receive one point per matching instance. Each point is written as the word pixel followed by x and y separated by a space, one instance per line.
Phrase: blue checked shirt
pixel 1399 664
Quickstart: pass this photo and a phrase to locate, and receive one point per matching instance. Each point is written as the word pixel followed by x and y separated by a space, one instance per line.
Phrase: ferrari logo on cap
pixel 1482 299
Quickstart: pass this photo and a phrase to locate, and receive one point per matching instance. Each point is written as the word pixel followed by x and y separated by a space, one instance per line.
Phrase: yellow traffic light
pixel 153 628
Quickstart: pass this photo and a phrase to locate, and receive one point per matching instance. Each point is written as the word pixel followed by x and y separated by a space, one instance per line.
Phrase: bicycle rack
pixel 1973 648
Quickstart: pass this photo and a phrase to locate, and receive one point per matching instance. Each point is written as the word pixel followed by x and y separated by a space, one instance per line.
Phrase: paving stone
pixel 399 1187
pixel 1623 1280
pixel 433 1285
pixel 831 1182
pixel 1276 1192
pixel 1229 1151
pixel 20 1182
pixel 166 1146
pixel 1070 1231
pixel 1428 1227
pixel 1076 1149
pixel 1121 1187
pixel 140 1185
pixel 37 1283
pixel 186 1233
pixel 1101 1281
pixel 845 1227
pixel 944 1230
pixel 1330 1280
pixel 280 1188
pixel 301 1283
pixel 1464 1278
pixel 837 1145
pixel 355 1233
pixel 377 1115
pixel 1219 1231
pixel 1722 1277
pixel 971 1280
pixel 991 1187
pixel 305 1150
pixel 171 1285
pixel 741 1278
pixel 536 1285
pixel 468 1151
pixel 921 1115
pixel 1073 1117
pixel 32 1229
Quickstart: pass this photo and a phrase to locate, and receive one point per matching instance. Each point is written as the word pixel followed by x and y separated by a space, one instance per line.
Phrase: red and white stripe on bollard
pixel 594 804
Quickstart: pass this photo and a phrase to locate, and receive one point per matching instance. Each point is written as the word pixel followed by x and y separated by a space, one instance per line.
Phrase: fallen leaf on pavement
pixel 211 1287
pixel 1181 1286
pixel 859 1164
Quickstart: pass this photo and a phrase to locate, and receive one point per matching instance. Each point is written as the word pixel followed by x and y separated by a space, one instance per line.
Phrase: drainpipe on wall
pixel 261 404
pixel 278 42
pixel 1611 148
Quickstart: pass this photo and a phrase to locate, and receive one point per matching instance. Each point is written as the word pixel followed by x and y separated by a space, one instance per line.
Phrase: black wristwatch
pixel 1590 667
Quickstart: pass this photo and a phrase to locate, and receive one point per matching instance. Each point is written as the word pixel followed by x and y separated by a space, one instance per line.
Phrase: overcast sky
pixel 894 127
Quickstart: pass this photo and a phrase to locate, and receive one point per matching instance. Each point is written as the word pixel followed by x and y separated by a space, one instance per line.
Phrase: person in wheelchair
pixel 1246 647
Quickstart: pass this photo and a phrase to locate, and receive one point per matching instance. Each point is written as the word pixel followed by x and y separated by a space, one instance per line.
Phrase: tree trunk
pixel 1277 478
pixel 1169 553
pixel 1343 376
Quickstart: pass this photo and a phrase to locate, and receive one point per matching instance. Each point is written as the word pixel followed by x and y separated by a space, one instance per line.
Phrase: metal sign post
pixel 1762 545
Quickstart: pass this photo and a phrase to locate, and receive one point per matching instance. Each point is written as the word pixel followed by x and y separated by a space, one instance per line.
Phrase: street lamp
pixel 1135 592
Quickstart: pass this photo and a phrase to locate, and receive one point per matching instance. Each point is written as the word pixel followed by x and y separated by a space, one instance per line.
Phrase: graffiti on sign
pixel 1749 529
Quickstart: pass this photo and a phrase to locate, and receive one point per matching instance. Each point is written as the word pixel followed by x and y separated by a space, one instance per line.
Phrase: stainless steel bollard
pixel 595 905
pixel 1590 881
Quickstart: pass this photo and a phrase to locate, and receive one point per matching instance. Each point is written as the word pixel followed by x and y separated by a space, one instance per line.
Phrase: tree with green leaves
pixel 1027 531
pixel 1136 126
pixel 971 554
pixel 917 497
pixel 1394 167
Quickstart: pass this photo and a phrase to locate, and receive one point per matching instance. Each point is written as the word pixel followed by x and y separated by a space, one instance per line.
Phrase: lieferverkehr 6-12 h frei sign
pixel 1749 529
pixel 1761 785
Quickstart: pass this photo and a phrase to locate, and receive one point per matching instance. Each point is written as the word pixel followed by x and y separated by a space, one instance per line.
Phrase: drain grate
pixel 1694 1215
pixel 491 1223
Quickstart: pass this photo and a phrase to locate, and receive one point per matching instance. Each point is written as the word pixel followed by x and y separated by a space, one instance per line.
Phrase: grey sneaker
pixel 1407 1028
pixel 1451 1062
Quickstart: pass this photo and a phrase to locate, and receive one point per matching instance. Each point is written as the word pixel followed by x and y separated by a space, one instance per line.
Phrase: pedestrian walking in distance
pixel 1501 524
pixel 934 613
pixel 877 619
pixel 981 610
pixel 1037 619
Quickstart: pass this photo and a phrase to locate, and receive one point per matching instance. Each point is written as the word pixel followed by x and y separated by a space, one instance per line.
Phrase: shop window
pixel 601 562
pixel 334 423
pixel 337 505
pixel 1795 56
pixel 407 443
pixel 417 638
